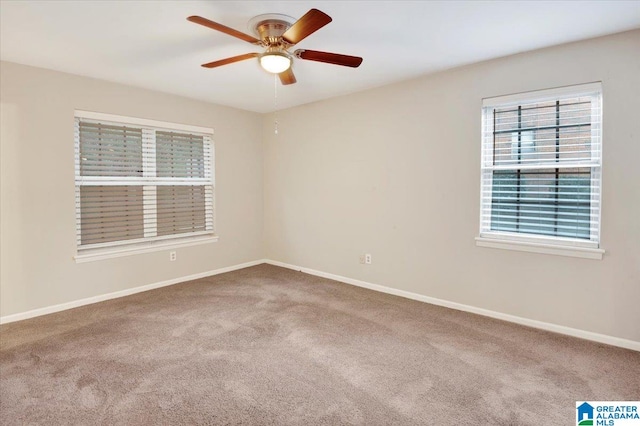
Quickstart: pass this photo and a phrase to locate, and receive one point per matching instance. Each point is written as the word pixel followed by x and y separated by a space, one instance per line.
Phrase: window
pixel 140 184
pixel 541 167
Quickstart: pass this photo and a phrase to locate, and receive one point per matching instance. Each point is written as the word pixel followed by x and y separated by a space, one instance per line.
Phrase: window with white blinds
pixel 541 166
pixel 138 183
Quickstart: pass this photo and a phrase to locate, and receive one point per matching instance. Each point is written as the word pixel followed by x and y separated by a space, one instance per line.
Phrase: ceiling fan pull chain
pixel 275 102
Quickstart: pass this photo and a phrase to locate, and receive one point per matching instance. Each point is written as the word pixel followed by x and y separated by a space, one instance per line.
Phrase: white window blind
pixel 137 183
pixel 541 166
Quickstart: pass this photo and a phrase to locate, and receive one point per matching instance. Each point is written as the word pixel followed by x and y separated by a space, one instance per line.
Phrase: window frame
pixel 120 248
pixel 574 247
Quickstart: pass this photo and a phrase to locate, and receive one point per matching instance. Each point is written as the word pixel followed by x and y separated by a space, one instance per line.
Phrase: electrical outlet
pixel 362 259
pixel 173 256
pixel 367 259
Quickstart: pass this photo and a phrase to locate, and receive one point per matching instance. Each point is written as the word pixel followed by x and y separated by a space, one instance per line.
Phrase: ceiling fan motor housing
pixel 270 27
pixel 271 31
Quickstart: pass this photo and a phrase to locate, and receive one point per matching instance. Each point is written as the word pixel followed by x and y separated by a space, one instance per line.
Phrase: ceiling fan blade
pixel 222 28
pixel 311 22
pixel 230 60
pixel 329 58
pixel 287 77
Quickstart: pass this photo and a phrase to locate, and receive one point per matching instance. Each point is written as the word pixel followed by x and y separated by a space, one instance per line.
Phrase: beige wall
pixel 37 177
pixel 395 172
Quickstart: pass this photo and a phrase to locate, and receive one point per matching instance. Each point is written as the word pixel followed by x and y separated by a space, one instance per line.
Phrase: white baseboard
pixel 100 298
pixel 587 335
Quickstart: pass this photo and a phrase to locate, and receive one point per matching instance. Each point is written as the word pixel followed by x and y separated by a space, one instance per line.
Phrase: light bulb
pixel 275 62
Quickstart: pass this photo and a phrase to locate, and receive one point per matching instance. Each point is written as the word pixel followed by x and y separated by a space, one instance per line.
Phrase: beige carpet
pixel 270 346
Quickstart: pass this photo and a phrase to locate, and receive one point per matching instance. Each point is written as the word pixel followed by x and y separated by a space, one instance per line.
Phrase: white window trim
pixel 541 95
pixel 90 115
pixel 544 248
pixel 128 248
pixel 146 247
pixel 534 243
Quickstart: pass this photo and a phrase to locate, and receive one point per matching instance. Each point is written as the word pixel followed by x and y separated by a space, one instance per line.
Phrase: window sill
pixel 583 252
pixel 113 252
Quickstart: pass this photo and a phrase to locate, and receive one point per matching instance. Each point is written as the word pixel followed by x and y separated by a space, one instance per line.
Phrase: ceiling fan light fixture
pixel 275 62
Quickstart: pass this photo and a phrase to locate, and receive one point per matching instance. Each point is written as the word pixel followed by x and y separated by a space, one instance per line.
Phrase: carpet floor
pixel 271 346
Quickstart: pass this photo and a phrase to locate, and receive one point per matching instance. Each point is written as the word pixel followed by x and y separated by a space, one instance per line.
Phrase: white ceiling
pixel 150 44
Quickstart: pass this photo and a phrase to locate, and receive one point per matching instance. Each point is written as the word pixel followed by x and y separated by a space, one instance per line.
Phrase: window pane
pixel 181 209
pixel 110 213
pixel 179 155
pixel 553 202
pixel 575 143
pixel 547 132
pixel 110 150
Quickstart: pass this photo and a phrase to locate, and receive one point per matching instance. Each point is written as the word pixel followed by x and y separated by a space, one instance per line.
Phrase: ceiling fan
pixel 277 34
